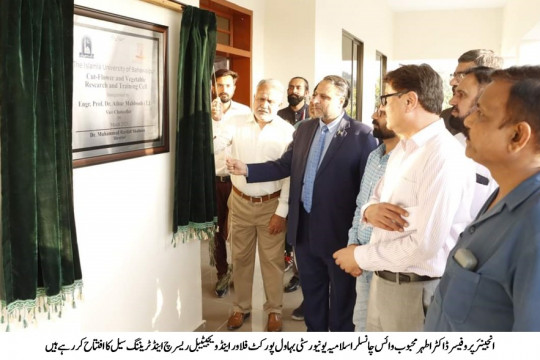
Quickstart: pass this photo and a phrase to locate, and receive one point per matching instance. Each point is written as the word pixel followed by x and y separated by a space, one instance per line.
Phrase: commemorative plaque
pixel 119 88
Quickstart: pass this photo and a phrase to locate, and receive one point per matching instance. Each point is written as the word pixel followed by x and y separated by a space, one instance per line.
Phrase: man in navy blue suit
pixel 325 161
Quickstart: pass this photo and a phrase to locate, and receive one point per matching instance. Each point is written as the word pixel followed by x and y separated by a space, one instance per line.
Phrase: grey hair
pixel 482 57
pixel 272 83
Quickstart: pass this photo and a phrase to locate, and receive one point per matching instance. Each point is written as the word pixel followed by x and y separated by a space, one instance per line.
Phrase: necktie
pixel 311 170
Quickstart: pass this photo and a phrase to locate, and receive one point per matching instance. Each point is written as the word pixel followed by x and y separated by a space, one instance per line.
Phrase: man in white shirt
pixel 419 207
pixel 463 103
pixel 257 211
pixel 467 60
pixel 223 108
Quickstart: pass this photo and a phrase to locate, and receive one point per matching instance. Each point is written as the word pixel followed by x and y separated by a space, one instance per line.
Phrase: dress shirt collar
pixel 252 119
pixel 423 136
pixel 521 193
pixel 381 150
pixel 333 125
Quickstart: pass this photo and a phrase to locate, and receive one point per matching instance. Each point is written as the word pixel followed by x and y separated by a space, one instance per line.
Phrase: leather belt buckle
pixel 255 199
pixel 399 277
pixel 222 178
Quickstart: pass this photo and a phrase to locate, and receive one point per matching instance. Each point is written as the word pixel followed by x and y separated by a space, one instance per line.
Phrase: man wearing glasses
pixel 418 208
pixel 467 60
pixel 463 104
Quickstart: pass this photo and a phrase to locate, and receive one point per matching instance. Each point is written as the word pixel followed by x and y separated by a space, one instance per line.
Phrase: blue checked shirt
pixel 376 165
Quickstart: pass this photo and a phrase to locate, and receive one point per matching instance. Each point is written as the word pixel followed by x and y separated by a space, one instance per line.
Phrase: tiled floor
pixel 216 310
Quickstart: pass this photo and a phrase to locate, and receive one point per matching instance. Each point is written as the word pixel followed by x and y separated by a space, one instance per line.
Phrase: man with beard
pixel 358 234
pixel 467 60
pixel 464 101
pixel 325 162
pixel 491 281
pixel 223 108
pixel 257 212
pixel 297 94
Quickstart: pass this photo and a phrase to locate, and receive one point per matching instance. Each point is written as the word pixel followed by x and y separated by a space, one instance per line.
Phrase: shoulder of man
pixel 357 124
pixel 240 108
pixel 283 123
pixel 237 119
pixel 284 112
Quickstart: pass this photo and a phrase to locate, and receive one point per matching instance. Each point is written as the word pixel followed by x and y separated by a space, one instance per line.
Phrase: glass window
pixel 352 55
pixel 380 60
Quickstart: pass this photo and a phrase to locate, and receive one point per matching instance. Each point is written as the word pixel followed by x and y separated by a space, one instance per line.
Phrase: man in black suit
pixel 321 201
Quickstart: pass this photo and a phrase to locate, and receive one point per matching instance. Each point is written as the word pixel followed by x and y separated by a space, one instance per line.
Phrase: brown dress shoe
pixel 274 322
pixel 236 320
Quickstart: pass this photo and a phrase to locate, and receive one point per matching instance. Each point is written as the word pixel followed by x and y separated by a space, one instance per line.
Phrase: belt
pixel 225 178
pixel 257 199
pixel 400 277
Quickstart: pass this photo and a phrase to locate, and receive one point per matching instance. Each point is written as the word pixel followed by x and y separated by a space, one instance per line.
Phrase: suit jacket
pixel 337 181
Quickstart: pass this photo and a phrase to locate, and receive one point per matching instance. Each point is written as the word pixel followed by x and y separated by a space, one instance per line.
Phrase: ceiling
pixel 418 5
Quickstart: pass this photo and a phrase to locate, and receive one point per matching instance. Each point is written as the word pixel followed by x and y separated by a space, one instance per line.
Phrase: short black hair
pixel 306 83
pixel 226 72
pixel 421 79
pixel 482 74
pixel 522 104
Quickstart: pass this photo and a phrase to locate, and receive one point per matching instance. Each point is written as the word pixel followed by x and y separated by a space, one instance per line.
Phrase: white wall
pixel 371 23
pixel 446 34
pixel 134 279
pixel 289 44
pixel 520 18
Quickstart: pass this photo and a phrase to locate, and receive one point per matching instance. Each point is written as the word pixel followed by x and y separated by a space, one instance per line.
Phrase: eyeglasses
pixel 378 111
pixel 384 100
pixel 458 75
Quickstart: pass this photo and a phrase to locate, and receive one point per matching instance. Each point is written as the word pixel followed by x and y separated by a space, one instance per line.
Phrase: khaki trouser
pixel 248 229
pixel 398 307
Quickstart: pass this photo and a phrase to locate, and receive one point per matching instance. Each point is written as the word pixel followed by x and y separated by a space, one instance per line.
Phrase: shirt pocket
pixel 460 292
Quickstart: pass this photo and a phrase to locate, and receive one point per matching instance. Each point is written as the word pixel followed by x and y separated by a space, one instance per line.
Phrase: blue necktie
pixel 311 170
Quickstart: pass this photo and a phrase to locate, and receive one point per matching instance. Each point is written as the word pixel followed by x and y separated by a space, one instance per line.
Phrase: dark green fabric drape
pixel 40 260
pixel 194 196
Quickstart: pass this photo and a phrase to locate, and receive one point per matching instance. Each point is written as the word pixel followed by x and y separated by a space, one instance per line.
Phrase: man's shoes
pixel 288 262
pixel 274 322
pixel 298 313
pixel 222 285
pixel 293 285
pixel 236 320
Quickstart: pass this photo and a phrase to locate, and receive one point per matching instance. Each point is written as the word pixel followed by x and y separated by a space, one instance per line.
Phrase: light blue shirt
pixel 332 129
pixel 375 167
pixel 503 292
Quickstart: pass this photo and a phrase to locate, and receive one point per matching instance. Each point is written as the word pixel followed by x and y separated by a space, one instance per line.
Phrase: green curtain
pixel 40 261
pixel 195 212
